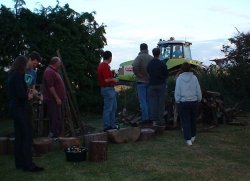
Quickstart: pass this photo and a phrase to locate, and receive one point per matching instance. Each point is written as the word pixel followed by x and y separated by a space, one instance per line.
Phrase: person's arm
pixel 54 94
pixel 198 90
pixel 137 67
pixel 177 91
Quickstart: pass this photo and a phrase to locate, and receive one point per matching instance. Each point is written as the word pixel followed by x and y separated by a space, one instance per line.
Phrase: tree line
pixel 78 36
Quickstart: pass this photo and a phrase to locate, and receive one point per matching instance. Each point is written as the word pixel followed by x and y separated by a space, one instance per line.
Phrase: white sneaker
pixel 189 142
pixel 193 139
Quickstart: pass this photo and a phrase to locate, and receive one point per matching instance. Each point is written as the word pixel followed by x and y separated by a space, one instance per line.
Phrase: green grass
pixel 223 154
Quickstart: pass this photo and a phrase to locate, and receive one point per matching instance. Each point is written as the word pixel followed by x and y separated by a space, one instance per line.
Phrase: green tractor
pixel 173 52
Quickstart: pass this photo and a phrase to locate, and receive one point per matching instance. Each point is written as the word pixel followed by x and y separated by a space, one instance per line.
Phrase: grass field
pixel 222 154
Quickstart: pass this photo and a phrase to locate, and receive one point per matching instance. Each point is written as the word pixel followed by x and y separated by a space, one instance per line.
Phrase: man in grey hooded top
pixel 140 70
pixel 187 95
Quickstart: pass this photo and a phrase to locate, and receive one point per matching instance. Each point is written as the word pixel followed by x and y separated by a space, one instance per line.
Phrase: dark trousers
pixel 23 137
pixel 157 103
pixel 56 118
pixel 188 116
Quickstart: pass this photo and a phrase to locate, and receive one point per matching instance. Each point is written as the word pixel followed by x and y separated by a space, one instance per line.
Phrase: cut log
pixel 98 151
pixel 123 135
pixel 70 141
pixel 11 145
pixel 238 123
pixel 95 137
pixel 3 145
pixel 146 133
pixel 42 145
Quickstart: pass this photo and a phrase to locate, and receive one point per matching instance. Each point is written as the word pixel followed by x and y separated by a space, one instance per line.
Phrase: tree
pixel 78 36
pixel 238 51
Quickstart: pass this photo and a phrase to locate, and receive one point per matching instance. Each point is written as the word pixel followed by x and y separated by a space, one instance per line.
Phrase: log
pixel 124 135
pixel 70 141
pixel 3 145
pixel 42 145
pixel 146 133
pixel 11 146
pixel 95 137
pixel 98 151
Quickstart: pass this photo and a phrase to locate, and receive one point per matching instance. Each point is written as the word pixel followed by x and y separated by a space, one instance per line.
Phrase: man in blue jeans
pixel 107 83
pixel 140 70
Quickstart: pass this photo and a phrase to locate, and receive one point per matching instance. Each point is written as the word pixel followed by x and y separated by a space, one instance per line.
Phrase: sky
pixel 207 24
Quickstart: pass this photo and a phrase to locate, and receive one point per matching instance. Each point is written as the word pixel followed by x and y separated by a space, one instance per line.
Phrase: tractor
pixel 173 52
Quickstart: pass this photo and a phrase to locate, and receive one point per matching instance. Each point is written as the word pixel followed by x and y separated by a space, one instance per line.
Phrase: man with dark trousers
pixel 54 95
pixel 19 96
pixel 158 73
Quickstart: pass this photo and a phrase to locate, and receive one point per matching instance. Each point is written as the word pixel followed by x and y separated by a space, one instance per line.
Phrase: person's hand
pixel 115 80
pixel 30 95
pixel 58 101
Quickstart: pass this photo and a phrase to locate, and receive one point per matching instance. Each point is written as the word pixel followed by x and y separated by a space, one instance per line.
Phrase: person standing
pixel 30 78
pixel 158 73
pixel 54 95
pixel 30 73
pixel 107 83
pixel 187 95
pixel 140 70
pixel 19 96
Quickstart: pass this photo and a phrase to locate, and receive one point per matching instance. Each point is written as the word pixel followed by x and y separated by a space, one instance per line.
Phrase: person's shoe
pixel 34 169
pixel 193 139
pixel 189 142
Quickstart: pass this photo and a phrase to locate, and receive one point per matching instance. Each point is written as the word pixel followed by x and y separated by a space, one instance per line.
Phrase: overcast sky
pixel 207 24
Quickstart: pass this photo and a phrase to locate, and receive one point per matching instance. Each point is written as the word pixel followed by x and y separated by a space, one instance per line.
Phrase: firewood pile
pixel 212 112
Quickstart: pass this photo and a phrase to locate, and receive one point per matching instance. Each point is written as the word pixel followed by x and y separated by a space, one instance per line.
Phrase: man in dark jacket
pixel 158 73
pixel 140 70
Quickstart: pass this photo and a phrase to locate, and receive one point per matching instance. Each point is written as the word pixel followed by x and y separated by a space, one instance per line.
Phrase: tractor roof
pixel 163 42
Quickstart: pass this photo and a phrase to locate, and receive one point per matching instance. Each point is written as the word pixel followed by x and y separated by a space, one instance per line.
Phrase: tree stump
pixel 11 146
pixel 98 151
pixel 3 145
pixel 123 135
pixel 146 133
pixel 70 141
pixel 95 137
pixel 42 145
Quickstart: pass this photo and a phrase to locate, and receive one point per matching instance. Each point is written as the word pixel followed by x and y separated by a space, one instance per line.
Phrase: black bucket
pixel 76 153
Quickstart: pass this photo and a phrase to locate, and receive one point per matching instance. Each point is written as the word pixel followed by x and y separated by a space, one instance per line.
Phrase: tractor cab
pixel 173 52
pixel 174 49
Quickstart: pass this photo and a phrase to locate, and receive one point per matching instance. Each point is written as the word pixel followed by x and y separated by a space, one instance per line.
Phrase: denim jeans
pixel 109 107
pixel 142 93
pixel 157 103
pixel 188 116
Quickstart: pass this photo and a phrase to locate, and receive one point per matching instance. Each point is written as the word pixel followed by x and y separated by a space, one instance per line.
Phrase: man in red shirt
pixel 107 83
pixel 54 94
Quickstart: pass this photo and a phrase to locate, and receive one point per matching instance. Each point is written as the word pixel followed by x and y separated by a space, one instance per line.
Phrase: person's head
pixel 143 46
pixel 177 48
pixel 34 60
pixel 55 62
pixel 19 65
pixel 185 67
pixel 107 56
pixel 156 52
